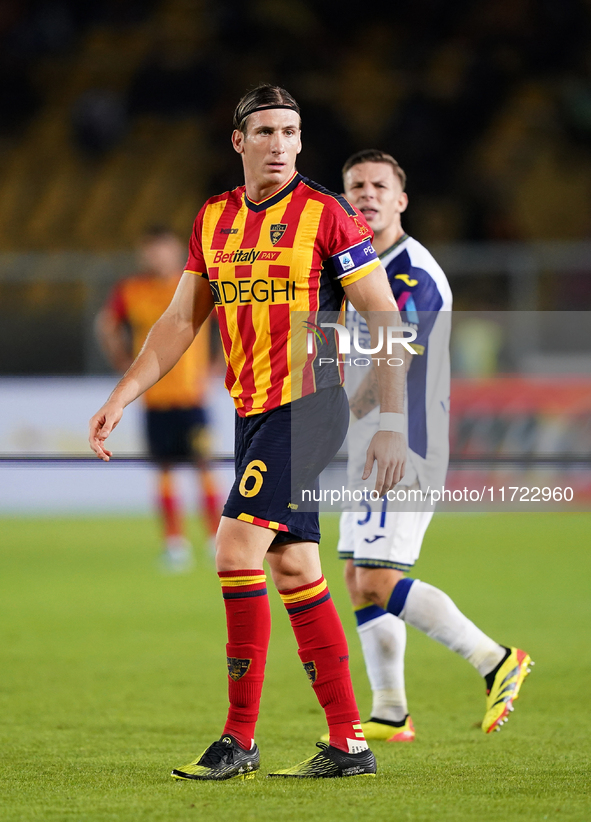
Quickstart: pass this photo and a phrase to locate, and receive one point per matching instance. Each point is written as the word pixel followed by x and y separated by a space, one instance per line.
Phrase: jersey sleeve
pixel 196 261
pixel 117 303
pixel 348 244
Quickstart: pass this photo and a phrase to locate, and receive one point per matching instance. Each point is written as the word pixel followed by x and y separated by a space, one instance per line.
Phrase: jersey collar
pixel 398 242
pixel 274 198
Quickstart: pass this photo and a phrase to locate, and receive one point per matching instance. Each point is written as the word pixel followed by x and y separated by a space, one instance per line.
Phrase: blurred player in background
pixel 380 547
pixel 176 421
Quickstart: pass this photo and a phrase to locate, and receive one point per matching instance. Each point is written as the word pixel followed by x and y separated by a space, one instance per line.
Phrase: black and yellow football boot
pixel 330 763
pixel 224 759
pixel 504 688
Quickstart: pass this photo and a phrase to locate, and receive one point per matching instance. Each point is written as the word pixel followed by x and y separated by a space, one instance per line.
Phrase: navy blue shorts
pixel 281 451
pixel 177 435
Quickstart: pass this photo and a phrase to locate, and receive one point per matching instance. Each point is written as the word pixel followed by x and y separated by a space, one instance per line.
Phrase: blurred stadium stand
pixel 116 113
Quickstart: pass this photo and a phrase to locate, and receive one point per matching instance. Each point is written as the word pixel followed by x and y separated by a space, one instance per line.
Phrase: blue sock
pixel 367 613
pixel 398 597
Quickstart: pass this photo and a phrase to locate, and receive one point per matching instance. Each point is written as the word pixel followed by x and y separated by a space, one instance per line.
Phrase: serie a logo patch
pixel 277 231
pixel 237 667
pixel 311 671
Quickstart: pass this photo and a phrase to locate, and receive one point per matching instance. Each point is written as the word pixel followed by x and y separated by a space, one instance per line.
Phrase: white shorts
pixel 380 539
pixel 377 535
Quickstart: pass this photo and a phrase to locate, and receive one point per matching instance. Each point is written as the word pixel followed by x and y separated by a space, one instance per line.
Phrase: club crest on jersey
pixel 311 671
pixel 363 229
pixel 277 231
pixel 237 667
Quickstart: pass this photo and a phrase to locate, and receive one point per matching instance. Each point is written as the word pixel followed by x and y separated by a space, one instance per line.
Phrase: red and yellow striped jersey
pixel 292 252
pixel 139 301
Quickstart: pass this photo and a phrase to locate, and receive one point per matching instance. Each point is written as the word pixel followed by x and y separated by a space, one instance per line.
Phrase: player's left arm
pixel 372 296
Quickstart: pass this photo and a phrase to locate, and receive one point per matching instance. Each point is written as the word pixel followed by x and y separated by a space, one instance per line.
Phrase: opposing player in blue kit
pixel 381 546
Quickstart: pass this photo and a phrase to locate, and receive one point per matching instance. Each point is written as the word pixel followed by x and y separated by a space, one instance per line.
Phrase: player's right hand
pixel 388 449
pixel 100 426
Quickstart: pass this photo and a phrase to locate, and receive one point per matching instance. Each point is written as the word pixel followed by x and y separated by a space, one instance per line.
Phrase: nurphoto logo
pixel 391 334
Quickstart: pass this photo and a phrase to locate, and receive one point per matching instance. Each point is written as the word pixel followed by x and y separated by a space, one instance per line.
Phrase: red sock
pixel 249 628
pixel 169 506
pixel 325 656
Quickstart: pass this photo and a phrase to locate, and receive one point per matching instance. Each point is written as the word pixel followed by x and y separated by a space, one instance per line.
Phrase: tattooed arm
pixel 367 395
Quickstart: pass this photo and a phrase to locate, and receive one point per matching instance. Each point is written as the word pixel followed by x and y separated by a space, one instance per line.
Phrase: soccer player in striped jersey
pixel 380 547
pixel 176 420
pixel 277 245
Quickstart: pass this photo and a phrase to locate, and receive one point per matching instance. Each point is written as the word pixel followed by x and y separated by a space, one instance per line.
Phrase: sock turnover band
pixel 241 584
pixel 305 597
pixel 368 612
pixel 398 596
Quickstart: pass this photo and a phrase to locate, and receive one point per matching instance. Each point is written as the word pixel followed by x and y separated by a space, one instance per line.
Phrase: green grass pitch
pixel 112 673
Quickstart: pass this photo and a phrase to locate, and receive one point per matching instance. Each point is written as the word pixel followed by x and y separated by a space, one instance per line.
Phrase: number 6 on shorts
pixel 253 470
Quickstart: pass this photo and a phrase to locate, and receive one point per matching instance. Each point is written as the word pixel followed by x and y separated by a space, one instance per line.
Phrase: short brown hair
pixel 374 155
pixel 263 95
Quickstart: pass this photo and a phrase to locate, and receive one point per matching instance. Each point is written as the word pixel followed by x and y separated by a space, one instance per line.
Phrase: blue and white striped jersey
pixel 424 298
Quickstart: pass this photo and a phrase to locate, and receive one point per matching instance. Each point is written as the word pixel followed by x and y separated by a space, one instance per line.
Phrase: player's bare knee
pixel 358 600
pixel 294 564
pixel 350 578
pixel 376 584
pixel 369 592
pixel 240 545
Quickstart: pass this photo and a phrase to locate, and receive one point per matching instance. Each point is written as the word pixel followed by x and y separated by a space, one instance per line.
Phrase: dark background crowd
pixel 475 98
